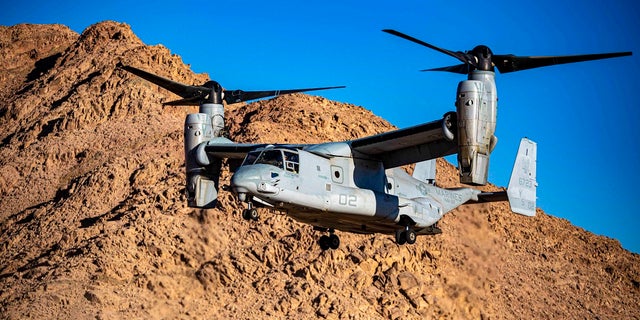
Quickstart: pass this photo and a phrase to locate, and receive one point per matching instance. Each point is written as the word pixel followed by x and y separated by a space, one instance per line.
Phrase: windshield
pixel 283 159
pixel 251 158
pixel 272 157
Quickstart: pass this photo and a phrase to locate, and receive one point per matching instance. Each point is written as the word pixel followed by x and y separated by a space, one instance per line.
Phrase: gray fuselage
pixel 326 186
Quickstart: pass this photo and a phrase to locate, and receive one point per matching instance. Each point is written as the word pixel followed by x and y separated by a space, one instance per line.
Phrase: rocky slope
pixel 94 223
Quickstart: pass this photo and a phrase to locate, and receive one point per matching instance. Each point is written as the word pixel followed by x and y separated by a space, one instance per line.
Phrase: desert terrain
pixel 94 222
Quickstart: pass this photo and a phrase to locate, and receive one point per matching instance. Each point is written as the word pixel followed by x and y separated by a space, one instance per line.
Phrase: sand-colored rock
pixel 94 223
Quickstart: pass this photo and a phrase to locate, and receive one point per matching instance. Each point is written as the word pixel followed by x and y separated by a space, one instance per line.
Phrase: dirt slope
pixel 93 221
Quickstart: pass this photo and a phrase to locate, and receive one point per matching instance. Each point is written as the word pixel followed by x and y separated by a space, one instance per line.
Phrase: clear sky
pixel 584 116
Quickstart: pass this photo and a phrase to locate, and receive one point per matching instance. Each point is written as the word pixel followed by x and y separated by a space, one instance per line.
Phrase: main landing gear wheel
pixel 250 214
pixel 400 237
pixel 331 241
pixel 407 235
pixel 411 236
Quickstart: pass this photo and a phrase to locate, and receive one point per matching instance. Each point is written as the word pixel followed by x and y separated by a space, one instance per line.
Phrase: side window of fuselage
pixel 291 161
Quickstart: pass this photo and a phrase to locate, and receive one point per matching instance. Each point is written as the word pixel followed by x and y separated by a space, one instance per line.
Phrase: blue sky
pixel 584 116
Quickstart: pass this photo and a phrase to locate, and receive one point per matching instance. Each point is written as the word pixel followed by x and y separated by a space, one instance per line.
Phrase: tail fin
pixel 522 186
pixel 425 171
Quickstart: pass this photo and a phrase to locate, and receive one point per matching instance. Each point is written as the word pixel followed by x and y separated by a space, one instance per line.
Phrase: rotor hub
pixel 215 94
pixel 483 57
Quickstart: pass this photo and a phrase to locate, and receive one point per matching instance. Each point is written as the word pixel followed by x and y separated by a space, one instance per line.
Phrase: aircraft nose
pixel 245 180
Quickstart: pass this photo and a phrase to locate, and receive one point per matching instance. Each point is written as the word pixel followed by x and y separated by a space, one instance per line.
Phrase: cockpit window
pixel 283 159
pixel 251 158
pixel 272 157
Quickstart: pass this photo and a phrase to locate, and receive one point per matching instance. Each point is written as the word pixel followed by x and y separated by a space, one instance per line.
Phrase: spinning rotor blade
pixel 235 96
pixel 195 101
pixel 209 92
pixel 183 90
pixel 464 58
pixel 511 63
pixel 460 68
pixel 481 58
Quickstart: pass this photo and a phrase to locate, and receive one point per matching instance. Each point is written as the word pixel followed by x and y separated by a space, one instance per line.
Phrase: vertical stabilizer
pixel 425 171
pixel 522 186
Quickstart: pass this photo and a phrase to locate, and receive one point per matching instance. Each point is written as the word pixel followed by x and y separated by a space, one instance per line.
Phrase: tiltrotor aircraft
pixel 358 185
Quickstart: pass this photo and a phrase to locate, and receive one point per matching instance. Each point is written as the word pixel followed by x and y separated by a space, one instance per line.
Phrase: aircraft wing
pixel 223 148
pixel 394 148
pixel 410 145
pixel 229 150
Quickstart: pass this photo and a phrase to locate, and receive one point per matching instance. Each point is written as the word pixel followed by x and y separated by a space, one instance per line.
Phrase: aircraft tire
pixel 334 241
pixel 410 236
pixel 245 214
pixel 324 242
pixel 401 237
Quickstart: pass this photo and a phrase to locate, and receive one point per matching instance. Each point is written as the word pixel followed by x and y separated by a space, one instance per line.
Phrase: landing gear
pixel 331 241
pixel 250 213
pixel 411 236
pixel 406 235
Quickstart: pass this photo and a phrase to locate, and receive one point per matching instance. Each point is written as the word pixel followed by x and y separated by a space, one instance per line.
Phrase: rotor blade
pixel 460 68
pixel 511 63
pixel 183 90
pixel 458 55
pixel 193 101
pixel 235 96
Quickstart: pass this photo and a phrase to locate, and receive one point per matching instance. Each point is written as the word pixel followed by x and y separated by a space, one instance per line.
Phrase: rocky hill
pixel 94 223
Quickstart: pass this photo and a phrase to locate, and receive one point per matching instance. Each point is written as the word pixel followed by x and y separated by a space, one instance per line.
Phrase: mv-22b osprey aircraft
pixel 358 185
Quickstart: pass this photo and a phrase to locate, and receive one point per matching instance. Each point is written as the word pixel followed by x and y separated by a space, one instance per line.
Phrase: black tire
pixel 245 214
pixel 324 242
pixel 410 236
pixel 334 241
pixel 401 237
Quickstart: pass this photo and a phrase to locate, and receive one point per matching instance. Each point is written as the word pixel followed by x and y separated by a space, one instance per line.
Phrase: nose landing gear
pixel 250 213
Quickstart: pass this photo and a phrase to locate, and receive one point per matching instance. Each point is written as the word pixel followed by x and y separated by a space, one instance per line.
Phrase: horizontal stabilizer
pixel 492 196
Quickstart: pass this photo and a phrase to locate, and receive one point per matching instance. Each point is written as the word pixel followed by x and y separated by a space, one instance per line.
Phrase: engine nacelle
pixel 476 106
pixel 202 181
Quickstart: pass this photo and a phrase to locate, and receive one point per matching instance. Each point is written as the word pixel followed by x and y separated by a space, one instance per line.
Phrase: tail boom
pixel 521 192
